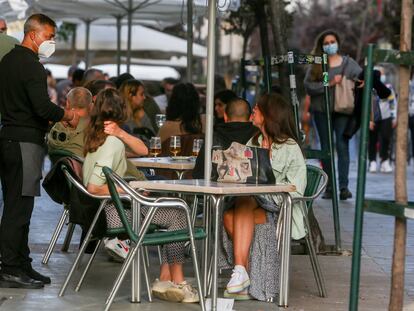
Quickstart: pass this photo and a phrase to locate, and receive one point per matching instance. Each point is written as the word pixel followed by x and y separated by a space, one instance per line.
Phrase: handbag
pixel 344 94
pixel 242 164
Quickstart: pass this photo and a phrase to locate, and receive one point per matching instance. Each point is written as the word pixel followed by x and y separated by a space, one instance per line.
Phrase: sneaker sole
pixel 190 300
pixel 114 256
pixel 160 294
pixel 174 295
pixel 237 296
pixel 238 288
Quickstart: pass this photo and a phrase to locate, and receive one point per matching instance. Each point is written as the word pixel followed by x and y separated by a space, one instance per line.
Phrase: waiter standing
pixel 25 114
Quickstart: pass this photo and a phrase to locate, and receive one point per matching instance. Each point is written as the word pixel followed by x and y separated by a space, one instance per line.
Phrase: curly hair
pixel 109 106
pixel 184 105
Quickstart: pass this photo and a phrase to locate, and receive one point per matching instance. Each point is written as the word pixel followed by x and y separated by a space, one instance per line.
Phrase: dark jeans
pixel 411 126
pixel 383 132
pixel 339 122
pixel 17 210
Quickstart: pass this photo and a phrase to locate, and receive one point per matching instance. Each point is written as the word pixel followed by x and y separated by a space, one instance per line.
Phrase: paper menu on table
pixel 223 304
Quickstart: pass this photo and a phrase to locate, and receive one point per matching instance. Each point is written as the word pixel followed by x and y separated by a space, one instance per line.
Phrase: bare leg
pixel 177 274
pixel 245 216
pixel 165 274
pixel 228 217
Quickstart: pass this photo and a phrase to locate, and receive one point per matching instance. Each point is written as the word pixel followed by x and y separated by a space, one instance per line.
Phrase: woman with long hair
pixel 102 148
pixel 183 113
pixel 340 66
pixel 247 242
pixel 133 93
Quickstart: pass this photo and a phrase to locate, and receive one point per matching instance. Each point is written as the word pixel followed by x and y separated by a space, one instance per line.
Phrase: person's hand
pixel 111 128
pixel 394 123
pixel 371 125
pixel 74 122
pixel 361 83
pixel 337 79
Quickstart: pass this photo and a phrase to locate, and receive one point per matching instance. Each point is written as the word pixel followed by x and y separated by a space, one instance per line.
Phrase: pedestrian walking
pixel 341 67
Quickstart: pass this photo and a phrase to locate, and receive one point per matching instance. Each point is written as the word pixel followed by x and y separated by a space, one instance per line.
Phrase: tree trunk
pixel 400 232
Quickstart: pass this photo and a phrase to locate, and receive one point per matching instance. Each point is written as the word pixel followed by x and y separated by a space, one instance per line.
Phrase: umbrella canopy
pixel 144 39
pixel 155 10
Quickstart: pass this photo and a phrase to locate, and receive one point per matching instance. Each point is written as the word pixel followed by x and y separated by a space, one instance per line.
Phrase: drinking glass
pixel 197 146
pixel 155 146
pixel 160 119
pixel 175 145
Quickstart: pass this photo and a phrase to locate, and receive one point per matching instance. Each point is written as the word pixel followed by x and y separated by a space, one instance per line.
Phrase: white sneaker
pixel 373 167
pixel 239 280
pixel 386 167
pixel 185 290
pixel 117 249
pixel 159 288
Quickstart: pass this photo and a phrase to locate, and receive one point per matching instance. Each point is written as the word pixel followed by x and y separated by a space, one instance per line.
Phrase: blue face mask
pixel 331 49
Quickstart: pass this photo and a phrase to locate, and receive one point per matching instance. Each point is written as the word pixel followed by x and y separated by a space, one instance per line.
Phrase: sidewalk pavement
pixel 375 264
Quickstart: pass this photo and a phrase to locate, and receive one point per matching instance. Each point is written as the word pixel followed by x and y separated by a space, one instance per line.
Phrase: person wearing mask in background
pixel 6 42
pixel 64 86
pixel 236 127
pixel 167 86
pixel 25 111
pixel 383 121
pixel 328 42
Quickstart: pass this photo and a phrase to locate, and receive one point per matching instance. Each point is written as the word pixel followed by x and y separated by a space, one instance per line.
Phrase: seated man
pixel 237 127
pixel 80 99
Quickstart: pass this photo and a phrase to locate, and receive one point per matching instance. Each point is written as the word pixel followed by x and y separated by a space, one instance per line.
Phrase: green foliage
pixel 65 31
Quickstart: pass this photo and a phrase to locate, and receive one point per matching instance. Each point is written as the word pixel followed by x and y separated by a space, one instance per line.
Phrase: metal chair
pixel 54 156
pixel 142 237
pixel 77 184
pixel 317 180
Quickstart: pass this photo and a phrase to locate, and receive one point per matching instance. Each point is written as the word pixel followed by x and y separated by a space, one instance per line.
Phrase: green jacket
pixel 7 43
pixel 289 167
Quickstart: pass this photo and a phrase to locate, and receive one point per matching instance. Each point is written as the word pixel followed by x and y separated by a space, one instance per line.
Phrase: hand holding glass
pixel 155 146
pixel 175 145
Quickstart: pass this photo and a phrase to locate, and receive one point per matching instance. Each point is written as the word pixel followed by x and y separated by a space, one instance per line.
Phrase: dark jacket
pixel 82 208
pixel 24 102
pixel 354 121
pixel 224 134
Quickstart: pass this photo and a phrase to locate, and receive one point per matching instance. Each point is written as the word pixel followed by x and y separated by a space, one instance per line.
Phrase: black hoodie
pixel 224 134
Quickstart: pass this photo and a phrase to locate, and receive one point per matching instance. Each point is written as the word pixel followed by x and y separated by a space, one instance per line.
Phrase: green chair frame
pixel 317 180
pixel 142 237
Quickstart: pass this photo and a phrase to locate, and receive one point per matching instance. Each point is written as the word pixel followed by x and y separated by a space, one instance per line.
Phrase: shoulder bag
pixel 344 93
pixel 242 164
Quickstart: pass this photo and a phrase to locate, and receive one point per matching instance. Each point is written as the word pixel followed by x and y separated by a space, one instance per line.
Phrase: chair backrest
pixel 314 177
pixel 116 200
pixel 56 154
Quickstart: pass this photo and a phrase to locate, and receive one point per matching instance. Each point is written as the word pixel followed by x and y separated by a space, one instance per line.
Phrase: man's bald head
pixel 237 110
pixel 79 97
pixel 3 25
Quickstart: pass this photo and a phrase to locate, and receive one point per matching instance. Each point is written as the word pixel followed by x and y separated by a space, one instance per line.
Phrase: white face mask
pixel 46 48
